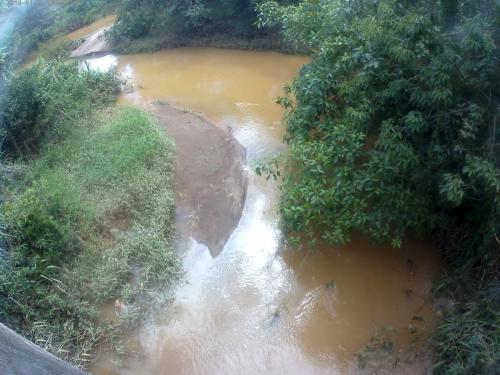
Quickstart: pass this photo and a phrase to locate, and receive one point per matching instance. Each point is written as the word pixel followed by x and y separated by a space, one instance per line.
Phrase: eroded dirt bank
pixel 92 37
pixel 211 183
pixel 93 43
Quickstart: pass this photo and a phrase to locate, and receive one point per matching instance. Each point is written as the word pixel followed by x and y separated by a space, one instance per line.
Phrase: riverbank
pixel 147 27
pixel 263 41
pixel 98 42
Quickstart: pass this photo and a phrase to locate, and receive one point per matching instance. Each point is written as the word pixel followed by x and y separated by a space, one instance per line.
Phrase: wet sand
pixel 211 184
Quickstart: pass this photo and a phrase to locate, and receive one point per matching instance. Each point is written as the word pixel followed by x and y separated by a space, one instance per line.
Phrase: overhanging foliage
pixel 395 123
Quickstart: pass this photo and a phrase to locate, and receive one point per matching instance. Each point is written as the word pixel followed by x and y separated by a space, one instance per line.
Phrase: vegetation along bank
pixel 392 131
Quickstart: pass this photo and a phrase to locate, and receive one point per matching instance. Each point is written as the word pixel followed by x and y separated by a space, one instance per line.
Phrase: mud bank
pixel 93 43
pixel 211 184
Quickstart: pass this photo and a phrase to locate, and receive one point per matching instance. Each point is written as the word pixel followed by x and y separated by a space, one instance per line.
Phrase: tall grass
pixel 88 221
pixel 468 339
pixel 44 98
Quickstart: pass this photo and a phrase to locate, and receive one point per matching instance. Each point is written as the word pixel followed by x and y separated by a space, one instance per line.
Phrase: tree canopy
pixel 395 121
pixel 138 19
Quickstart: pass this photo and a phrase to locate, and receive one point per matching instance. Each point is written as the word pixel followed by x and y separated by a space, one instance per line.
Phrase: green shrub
pixel 184 22
pixel 140 19
pixel 74 14
pixel 391 131
pixel 46 95
pixel 468 339
pixel 35 230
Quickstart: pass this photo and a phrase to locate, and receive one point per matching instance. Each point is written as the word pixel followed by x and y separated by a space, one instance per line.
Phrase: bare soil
pixel 211 183
pixel 93 43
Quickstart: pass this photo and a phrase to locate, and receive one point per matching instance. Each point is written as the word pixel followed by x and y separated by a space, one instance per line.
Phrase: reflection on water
pixel 102 64
pixel 260 307
pixel 232 88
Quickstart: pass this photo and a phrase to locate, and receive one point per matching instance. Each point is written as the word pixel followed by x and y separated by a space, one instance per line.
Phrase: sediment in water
pixel 211 183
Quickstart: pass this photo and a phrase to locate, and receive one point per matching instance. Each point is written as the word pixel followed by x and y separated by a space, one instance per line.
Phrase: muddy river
pixel 260 307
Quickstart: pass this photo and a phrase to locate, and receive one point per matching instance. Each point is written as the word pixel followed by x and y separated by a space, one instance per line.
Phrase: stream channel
pixel 260 307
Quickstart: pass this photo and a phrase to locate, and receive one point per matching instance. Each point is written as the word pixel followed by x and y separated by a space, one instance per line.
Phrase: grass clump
pixel 86 219
pixel 468 339
pixel 43 98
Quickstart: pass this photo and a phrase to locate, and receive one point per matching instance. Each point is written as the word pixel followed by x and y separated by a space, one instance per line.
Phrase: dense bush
pixel 45 95
pixel 394 126
pixel 40 232
pixel 468 339
pixel 137 19
pixel 74 14
pixel 184 20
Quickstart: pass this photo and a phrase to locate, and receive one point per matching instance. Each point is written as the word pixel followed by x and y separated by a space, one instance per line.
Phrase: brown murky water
pixel 235 88
pixel 260 308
